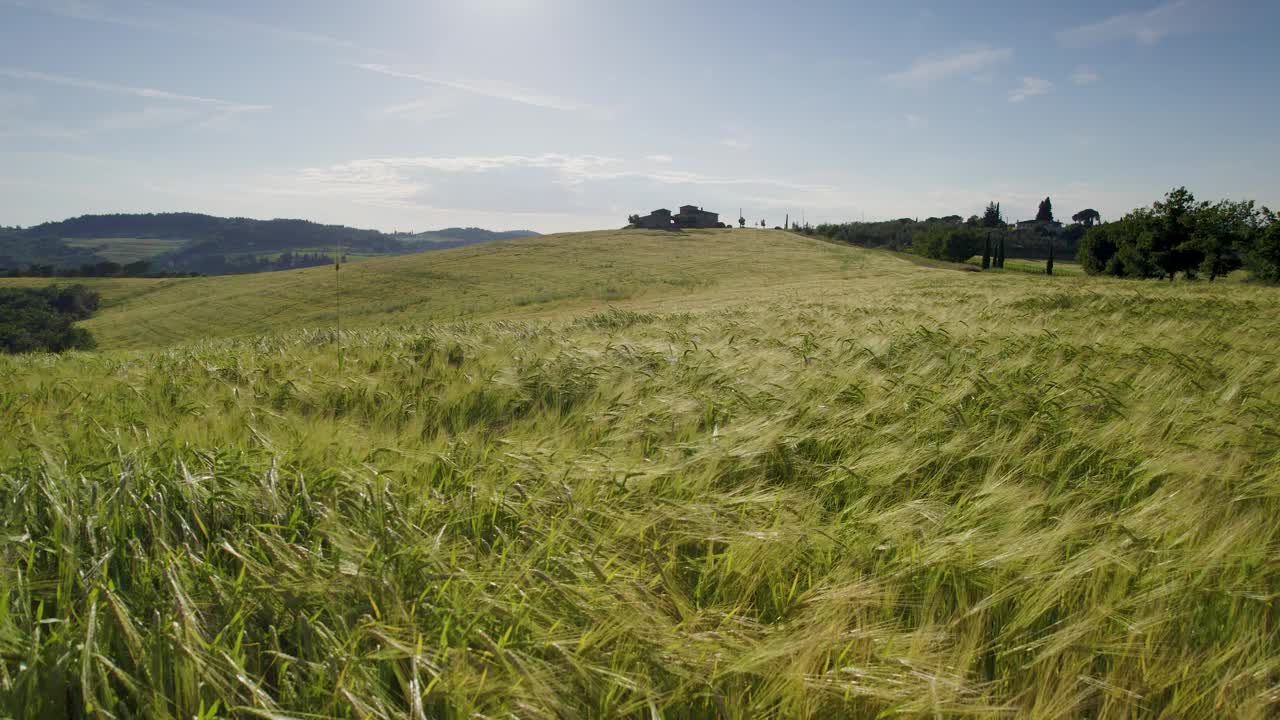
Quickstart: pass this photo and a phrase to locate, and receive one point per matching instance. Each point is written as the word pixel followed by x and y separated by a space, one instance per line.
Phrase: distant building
pixel 695 217
pixel 657 220
pixel 1054 226
pixel 689 217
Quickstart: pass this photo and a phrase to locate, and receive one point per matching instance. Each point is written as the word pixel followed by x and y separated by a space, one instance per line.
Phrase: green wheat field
pixel 735 474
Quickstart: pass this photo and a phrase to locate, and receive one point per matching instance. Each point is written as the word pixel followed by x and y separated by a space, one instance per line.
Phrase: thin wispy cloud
pixel 140 92
pixel 737 139
pixel 1145 27
pixel 86 11
pixel 411 179
pixel 1030 87
pixel 39 131
pixel 927 71
pixel 398 178
pixel 664 159
pixel 568 164
pixel 198 19
pixel 485 89
pixel 424 109
pixel 1084 75
pixel 149 118
pixel 915 122
pixel 693 178
pixel 169 18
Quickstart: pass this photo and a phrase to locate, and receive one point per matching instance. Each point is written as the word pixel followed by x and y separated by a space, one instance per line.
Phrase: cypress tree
pixel 1048 268
pixel 986 252
pixel 1000 261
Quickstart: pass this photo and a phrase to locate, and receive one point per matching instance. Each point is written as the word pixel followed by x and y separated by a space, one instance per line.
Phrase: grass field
pixel 1063 268
pixel 735 474
pixel 127 250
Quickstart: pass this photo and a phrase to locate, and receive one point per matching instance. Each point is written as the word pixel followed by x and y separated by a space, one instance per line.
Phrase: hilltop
pixel 194 242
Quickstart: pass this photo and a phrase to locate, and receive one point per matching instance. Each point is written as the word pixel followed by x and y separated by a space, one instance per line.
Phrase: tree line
pixel 217 264
pixel 1180 235
pixel 1177 235
pixel 957 239
pixel 101 269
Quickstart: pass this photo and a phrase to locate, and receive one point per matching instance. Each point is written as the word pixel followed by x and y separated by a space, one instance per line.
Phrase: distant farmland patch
pixel 127 250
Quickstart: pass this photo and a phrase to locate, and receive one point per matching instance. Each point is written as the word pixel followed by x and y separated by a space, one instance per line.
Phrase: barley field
pixel 736 475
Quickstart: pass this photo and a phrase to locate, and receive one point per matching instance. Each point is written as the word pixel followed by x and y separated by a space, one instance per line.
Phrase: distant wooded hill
pixel 192 242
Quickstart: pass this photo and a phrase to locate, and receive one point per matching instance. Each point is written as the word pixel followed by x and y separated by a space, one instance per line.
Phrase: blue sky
pixel 570 114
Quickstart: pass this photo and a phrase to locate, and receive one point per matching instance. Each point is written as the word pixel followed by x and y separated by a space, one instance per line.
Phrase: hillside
pixel 531 276
pixel 734 474
pixel 192 242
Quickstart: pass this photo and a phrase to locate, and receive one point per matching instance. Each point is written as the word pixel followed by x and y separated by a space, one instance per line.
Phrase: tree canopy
pixel 41 319
pixel 991 217
pixel 1045 213
pixel 1087 217
pixel 1180 235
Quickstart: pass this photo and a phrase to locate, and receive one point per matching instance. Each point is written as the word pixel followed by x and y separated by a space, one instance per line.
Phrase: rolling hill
pixel 193 242
pixel 516 278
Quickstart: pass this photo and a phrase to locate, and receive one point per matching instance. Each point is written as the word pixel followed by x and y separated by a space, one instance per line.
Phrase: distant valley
pixel 184 243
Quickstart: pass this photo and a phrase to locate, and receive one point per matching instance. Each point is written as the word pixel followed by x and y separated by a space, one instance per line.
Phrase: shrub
pixel 40 320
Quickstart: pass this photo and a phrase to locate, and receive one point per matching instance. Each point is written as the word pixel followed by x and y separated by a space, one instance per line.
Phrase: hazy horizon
pixel 557 116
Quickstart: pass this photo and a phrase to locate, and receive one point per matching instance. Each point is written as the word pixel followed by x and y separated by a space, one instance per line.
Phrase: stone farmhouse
pixel 690 216
pixel 1041 225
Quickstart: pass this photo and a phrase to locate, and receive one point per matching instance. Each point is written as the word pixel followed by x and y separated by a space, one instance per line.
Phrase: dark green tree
pixel 1262 256
pixel 991 217
pixel 1048 266
pixel 943 242
pixel 1001 263
pixel 986 251
pixel 1169 245
pixel 1098 248
pixel 1045 213
pixel 1087 217
pixel 1222 232
pixel 41 319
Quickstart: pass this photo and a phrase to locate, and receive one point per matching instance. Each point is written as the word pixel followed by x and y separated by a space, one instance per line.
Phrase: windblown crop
pixel 944 495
